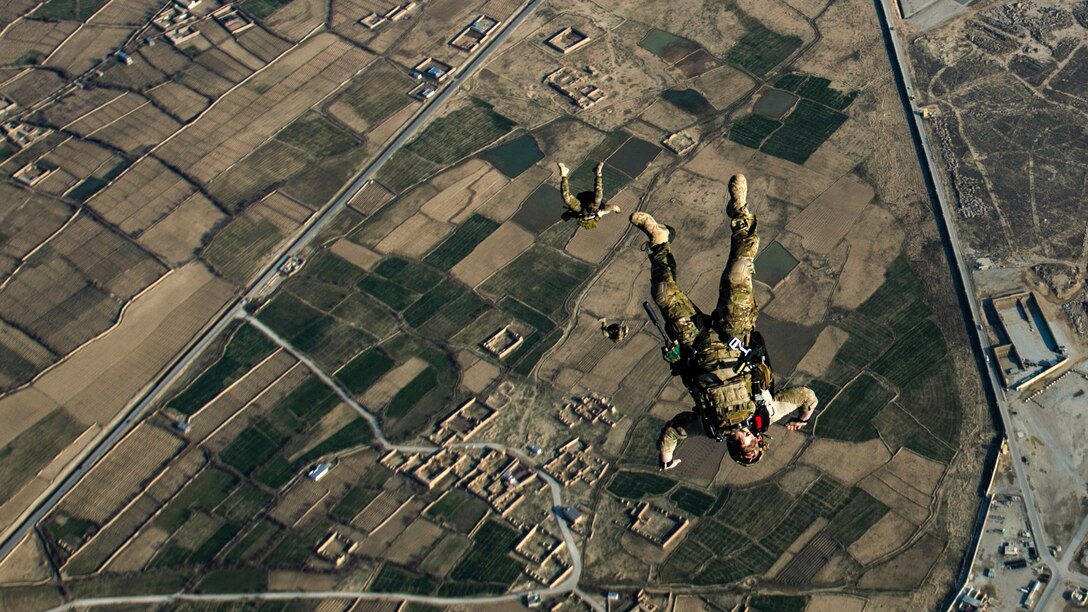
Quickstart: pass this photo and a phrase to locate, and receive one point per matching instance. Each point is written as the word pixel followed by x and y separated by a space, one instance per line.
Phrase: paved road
pixel 931 170
pixel 269 276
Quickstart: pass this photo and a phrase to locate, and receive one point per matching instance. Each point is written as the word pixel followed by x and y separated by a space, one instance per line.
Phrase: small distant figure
pixel 586 206
pixel 615 332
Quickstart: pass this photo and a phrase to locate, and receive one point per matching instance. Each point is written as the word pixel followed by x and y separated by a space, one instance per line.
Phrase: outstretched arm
pixel 797 402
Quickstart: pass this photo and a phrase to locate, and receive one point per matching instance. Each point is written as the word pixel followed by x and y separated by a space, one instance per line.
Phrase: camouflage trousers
pixel 585 212
pixel 784 403
pixel 736 311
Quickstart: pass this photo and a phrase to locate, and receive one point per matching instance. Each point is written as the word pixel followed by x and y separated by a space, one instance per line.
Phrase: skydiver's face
pixel 747 444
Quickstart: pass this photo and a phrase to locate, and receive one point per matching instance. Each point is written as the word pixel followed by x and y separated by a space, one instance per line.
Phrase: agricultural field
pixel 203 157
pixel 443 142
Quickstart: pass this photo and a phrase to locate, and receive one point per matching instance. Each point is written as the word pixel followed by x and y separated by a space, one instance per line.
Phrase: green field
pixel 526 314
pixel 408 274
pixel 692 501
pixel 488 560
pixel 898 301
pixel 926 445
pixel 758 508
pixel 541 278
pixel 354 434
pixel 378 92
pixel 323 296
pixel 817 89
pixel 449 297
pixel 330 342
pixel 636 485
pixel 245 503
pixel 368 314
pixel 753 130
pixel 309 402
pixel 252 544
pixel 803 131
pixel 403 170
pixel 317 136
pixel 246 348
pixel 204 492
pixel 894 426
pixel 288 315
pixel 353 502
pixel 460 133
pixel 233 580
pixel 856 518
pixel 330 268
pixel 777 603
pixel 761 49
pixel 792 526
pixel 449 320
pixel 685 561
pixel 239 247
pixel 850 416
pixel 446 507
pixel 34 448
pixel 527 360
pixel 387 292
pixel 72 10
pixel 271 164
pixel 393 579
pixel 935 403
pixel 461 242
pixel 719 538
pixel 642 448
pixel 409 396
pixel 263 8
pixel 868 340
pixel 913 357
pixel 364 370
pixel 253 446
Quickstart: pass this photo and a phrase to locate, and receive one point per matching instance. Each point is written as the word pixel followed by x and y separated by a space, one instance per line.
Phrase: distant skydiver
pixel 720 358
pixel 586 206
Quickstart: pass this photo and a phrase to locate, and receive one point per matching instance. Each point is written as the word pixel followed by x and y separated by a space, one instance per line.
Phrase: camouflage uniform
pixel 581 207
pixel 710 368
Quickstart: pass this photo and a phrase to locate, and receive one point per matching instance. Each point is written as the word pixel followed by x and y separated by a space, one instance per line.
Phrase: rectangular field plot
pixel 460 133
pixel 935 402
pixel 914 356
pixel 856 518
pixel 408 274
pixel 817 89
pixel 373 96
pixel 364 370
pixel 753 130
pixel 685 561
pixel 204 492
pixel 642 448
pixel 850 416
pixel 636 485
pixel 393 579
pixel 803 131
pixel 761 49
pixel 461 242
pixel 514 157
pixel 410 395
pixel 898 300
pixel 246 348
pixel 541 277
pixel 488 560
pixel 239 247
pixel 692 501
pixel 758 508
pixel 34 448
pixel 251 448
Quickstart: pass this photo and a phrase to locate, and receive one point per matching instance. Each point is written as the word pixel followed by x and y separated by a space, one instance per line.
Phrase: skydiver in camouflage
pixel 720 358
pixel 586 206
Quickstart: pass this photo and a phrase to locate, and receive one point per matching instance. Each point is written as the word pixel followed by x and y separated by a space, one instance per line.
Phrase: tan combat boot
pixel 738 197
pixel 657 233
